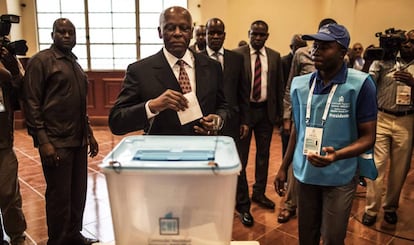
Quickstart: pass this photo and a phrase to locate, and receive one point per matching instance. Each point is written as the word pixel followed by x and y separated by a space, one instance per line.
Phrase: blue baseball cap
pixel 331 32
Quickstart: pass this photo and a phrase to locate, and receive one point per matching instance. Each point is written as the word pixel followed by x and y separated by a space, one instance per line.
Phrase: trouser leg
pixel 400 160
pixel 10 198
pixel 337 204
pixel 65 194
pixel 381 154
pixel 78 191
pixel 291 192
pixel 263 136
pixel 242 194
pixel 310 214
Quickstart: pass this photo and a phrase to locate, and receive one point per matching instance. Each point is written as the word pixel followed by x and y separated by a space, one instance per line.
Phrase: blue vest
pixel 340 130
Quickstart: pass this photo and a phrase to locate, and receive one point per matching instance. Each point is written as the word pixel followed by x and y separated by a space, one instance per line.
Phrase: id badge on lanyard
pixel 2 106
pixel 313 135
pixel 403 96
pixel 403 93
pixel 312 141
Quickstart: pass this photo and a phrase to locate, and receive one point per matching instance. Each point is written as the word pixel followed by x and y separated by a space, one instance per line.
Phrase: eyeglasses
pixel 355 49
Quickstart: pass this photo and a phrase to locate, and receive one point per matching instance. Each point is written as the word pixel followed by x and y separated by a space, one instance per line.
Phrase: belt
pixel 258 104
pixel 397 113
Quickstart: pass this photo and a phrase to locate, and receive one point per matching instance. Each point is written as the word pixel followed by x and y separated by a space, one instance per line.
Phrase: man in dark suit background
pixel 263 69
pixel 200 39
pixel 151 94
pixel 296 42
pixel 236 92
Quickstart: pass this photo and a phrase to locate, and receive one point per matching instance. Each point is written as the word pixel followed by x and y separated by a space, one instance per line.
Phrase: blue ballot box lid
pixel 191 154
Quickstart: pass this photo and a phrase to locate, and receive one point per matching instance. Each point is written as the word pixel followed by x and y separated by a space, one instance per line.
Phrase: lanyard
pixel 327 106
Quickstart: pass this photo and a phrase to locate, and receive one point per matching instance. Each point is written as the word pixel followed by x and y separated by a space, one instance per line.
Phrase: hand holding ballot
pixel 170 99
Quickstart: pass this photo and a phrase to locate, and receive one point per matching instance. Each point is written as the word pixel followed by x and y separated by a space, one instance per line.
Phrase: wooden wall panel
pixel 91 95
pixel 104 88
pixel 111 91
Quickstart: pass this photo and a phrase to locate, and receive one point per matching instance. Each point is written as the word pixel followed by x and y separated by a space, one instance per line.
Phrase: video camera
pixel 389 45
pixel 18 47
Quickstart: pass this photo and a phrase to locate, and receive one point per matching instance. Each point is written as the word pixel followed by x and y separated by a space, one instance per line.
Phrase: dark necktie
pixel 257 84
pixel 183 79
pixel 216 56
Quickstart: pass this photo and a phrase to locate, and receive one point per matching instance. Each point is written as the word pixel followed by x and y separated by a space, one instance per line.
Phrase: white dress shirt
pixel 188 58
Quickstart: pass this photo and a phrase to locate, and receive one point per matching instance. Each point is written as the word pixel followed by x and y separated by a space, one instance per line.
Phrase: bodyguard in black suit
pixel 236 92
pixel 265 104
pixel 151 95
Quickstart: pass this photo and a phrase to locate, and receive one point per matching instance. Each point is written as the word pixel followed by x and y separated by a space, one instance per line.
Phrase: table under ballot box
pixel 166 190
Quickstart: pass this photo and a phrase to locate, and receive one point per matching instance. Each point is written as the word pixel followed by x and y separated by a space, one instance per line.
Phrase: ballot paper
pixel 193 112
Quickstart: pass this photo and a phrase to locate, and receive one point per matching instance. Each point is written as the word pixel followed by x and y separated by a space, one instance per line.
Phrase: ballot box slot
pixel 174 155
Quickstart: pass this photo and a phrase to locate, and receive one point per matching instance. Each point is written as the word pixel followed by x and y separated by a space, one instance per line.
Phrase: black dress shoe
pixel 285 215
pixel 263 201
pixel 81 240
pixel 391 217
pixel 368 220
pixel 246 218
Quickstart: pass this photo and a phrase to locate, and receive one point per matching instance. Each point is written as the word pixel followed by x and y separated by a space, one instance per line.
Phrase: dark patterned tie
pixel 183 79
pixel 257 84
pixel 216 56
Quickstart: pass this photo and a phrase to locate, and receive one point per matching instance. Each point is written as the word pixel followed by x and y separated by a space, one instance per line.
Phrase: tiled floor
pixel 266 230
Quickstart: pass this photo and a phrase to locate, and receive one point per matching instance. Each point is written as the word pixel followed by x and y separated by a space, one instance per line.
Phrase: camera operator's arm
pixel 15 69
pixel 12 64
pixel 368 59
pixel 5 75
pixel 375 70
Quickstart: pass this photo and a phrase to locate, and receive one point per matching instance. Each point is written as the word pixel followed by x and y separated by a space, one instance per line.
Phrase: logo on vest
pixel 340 108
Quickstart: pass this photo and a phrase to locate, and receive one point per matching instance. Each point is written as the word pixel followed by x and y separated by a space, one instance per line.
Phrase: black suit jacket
pixel 236 92
pixel 275 87
pixel 149 78
pixel 286 63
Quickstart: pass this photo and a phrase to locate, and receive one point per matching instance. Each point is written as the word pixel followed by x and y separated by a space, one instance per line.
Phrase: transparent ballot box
pixel 167 190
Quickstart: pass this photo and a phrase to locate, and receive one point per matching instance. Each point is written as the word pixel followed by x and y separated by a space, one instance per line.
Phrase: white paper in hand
pixel 193 112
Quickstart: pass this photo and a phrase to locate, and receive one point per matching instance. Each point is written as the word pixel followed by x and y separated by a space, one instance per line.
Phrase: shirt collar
pixel 253 51
pixel 60 54
pixel 339 78
pixel 172 60
pixel 321 88
pixel 210 52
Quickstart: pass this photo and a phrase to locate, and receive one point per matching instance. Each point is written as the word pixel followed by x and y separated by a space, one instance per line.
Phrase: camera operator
pixel 395 125
pixel 11 74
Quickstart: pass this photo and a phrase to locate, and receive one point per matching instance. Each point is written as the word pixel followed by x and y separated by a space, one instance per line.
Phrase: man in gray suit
pixel 263 69
pixel 153 90
pixel 236 92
